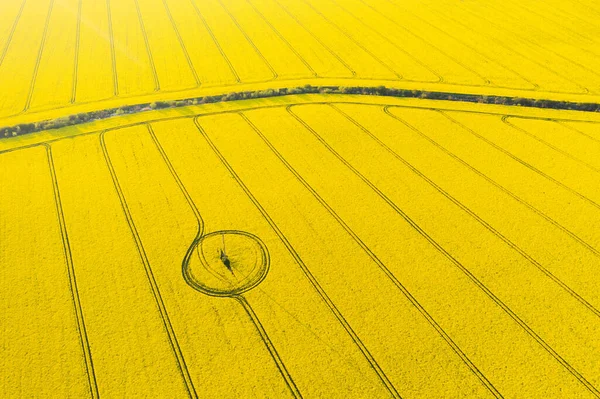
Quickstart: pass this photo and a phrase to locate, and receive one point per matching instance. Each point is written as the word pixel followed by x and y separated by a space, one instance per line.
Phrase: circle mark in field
pixel 226 263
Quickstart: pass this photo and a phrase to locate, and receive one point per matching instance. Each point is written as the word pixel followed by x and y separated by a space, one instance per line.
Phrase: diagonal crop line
pixel 506 121
pixel 182 44
pixel 39 57
pixel 147 44
pixel 519 160
pixel 314 36
pixel 113 56
pixel 472 367
pixel 496 184
pixel 76 60
pixel 85 344
pixel 283 39
pixel 250 41
pixel 216 42
pixel 308 274
pixel 353 40
pixel 12 32
pixel 471 213
pixel 504 307
pixel 270 347
pixel 181 364
pixel 239 298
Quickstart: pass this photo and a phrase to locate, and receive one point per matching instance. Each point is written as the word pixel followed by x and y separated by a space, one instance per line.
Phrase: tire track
pixel 150 275
pixel 85 345
pixel 512 50
pixel 12 32
pixel 562 123
pixel 39 58
pixel 532 44
pixel 554 21
pixel 148 49
pixel 466 271
pixel 239 298
pixel 455 348
pixel 566 154
pixel 265 337
pixel 440 78
pixel 182 44
pixel 519 160
pixel 373 363
pixel 494 183
pixel 77 42
pixel 113 55
pixel 212 35
pixel 250 42
pixel 283 39
pixel 314 36
pixel 471 213
pixel 349 37
pixel 534 85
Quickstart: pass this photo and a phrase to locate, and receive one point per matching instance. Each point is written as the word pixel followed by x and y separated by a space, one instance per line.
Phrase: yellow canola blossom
pixel 61 55
pixel 331 249
pixel 304 246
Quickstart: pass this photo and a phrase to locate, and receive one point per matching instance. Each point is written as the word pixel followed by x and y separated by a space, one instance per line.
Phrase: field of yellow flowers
pixel 60 56
pixel 316 245
pixel 337 249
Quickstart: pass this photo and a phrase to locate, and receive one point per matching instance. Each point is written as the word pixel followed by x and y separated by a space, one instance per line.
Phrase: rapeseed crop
pixel 314 245
pixel 63 54
pixel 350 249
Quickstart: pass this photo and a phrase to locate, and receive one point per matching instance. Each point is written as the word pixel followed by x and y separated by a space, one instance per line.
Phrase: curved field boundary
pixel 150 275
pixel 522 162
pixel 531 207
pixel 474 215
pixel 85 345
pixel 239 298
pixel 400 84
pixel 360 90
pixel 505 119
pixel 313 281
pixel 429 106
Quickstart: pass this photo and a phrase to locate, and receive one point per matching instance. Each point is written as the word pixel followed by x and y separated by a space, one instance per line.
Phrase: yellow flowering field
pixel 59 56
pixel 305 249
pixel 325 237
